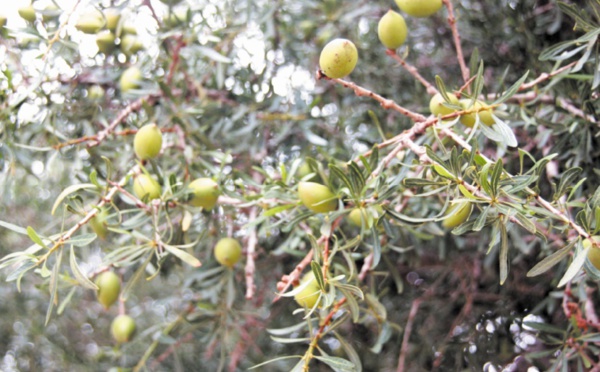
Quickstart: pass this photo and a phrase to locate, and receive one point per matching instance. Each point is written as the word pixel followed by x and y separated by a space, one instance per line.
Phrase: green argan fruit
pixel 27 13
pixel 356 216
pixel 316 197
pixel 122 328
pixel 105 41
pixel 392 30
pixel 95 92
pixel 436 104
pixel 130 45
pixel 147 142
pixel 170 2
pixel 419 8
pixel 309 295
pixel 90 22
pixel 130 79
pixel 206 192
pixel 2 21
pixel 144 185
pixel 485 115
pixel 109 287
pixel 338 58
pixel 175 18
pixel 112 17
pixel 228 252
pixel 98 224
pixel 593 254
pixel 50 13
pixel 457 214
pixel 304 170
pixel 128 29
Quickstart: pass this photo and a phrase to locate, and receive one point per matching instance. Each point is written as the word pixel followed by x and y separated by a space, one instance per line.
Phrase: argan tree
pixel 205 185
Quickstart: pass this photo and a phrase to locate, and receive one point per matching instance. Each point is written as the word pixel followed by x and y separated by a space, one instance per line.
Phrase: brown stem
pixel 414 308
pixel 456 36
pixel 412 70
pixel 250 252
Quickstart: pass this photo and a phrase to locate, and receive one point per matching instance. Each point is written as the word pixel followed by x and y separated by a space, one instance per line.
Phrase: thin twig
pixel 412 70
pixel 456 36
pixel 250 252
pixel 414 308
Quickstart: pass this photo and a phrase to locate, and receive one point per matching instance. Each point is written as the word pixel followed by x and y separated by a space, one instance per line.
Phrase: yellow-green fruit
pixel 50 13
pixel 338 58
pixel 206 192
pixel 485 115
pixel 357 215
pixel 175 18
pixel 419 8
pixel 122 328
pixel 105 41
pixel 90 23
pixel 458 213
pixel 95 92
pixel 304 170
pixel 228 252
pixel 27 13
pixel 2 21
pixel 109 287
pixel 594 252
pixel 130 79
pixel 392 30
pixel 309 295
pixel 316 197
pixel 436 104
pixel 130 44
pixel 147 142
pixel 129 29
pixel 98 224
pixel 144 185
pixel 112 17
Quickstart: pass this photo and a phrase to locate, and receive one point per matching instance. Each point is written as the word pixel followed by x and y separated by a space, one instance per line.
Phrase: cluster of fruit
pixel 109 288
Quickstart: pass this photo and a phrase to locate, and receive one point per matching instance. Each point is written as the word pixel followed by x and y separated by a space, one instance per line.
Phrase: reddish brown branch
pixel 414 308
pixel 456 36
pixel 412 70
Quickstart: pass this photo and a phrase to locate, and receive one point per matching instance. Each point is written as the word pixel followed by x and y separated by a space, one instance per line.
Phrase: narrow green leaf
pixel 495 176
pixel 481 219
pixel 575 267
pixel 339 173
pixel 525 222
pixel 512 90
pixel 15 228
pixel 550 261
pixel 276 360
pixel 421 182
pixel 338 364
pixel 183 255
pixel 350 351
pixel 35 237
pixel 503 257
pixel 374 158
pixel 69 190
pixel 568 177
pixel 318 271
pixel 53 287
pixel 136 277
pixel 78 274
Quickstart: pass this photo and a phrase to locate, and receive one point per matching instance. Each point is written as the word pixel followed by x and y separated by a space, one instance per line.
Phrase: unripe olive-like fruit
pixel 90 23
pixel 338 58
pixel 419 8
pixel 459 214
pixel 105 41
pixel 392 30
pixel 309 295
pixel 436 104
pixel 50 13
pixel 98 224
pixel 228 251
pixel 95 92
pixel 130 79
pixel 27 13
pixel 122 328
pixel 109 287
pixel 130 45
pixel 357 215
pixel 128 29
pixel 206 192
pixel 316 197
pixel 485 115
pixel 144 185
pixel 304 170
pixel 593 254
pixel 147 142
pixel 112 17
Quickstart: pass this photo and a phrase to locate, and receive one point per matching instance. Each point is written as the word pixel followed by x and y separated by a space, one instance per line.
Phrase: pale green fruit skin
pixel 95 92
pixel 51 12
pixel 130 45
pixel 147 142
pixel 228 252
pixel 485 116
pixel 206 192
pixel 109 287
pixel 27 13
pixel 90 23
pixel 130 79
pixel 392 30
pixel 419 8
pixel 593 254
pixel 2 21
pixel 338 58
pixel 105 41
pixel 303 171
pixel 122 328
pixel 129 29
pixel 309 295
pixel 463 212
pixel 112 17
pixel 98 224
pixel 356 216
pixel 436 104
pixel 313 195
pixel 144 185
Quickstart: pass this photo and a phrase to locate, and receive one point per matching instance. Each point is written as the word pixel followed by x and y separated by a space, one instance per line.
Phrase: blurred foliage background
pixel 234 83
